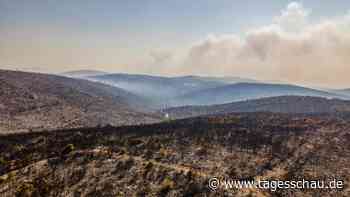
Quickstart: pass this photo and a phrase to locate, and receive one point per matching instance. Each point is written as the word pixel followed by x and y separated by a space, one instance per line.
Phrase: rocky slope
pixel 177 158
pixel 40 101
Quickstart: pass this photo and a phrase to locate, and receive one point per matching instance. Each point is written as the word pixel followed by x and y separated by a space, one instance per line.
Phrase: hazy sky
pixel 303 42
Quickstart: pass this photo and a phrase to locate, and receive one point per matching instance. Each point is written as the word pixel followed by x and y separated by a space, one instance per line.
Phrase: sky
pixel 301 42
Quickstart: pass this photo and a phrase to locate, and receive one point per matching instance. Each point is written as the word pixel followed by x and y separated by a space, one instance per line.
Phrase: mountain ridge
pixel 243 91
pixel 279 104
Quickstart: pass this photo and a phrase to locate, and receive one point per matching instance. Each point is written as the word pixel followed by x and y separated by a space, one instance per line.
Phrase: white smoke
pixel 289 49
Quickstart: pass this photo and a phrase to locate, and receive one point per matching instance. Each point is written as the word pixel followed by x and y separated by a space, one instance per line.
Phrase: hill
pixel 280 104
pixel 40 101
pixel 244 91
pixel 343 91
pixel 178 158
pixel 227 80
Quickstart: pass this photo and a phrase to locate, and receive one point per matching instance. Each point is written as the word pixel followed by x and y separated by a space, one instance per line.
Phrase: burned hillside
pixel 178 157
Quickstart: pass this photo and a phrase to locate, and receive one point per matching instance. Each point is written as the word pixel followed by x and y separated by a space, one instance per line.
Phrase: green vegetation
pixel 68 149
pixel 2 161
pixel 18 147
pixel 25 190
pixel 3 179
pixel 166 186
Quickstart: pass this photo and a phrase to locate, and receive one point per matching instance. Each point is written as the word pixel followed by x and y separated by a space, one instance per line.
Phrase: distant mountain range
pixel 198 90
pixel 41 101
pixel 161 89
pixel 281 104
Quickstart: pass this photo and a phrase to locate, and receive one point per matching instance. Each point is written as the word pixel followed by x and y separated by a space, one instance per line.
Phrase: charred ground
pixel 177 158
